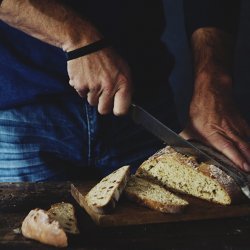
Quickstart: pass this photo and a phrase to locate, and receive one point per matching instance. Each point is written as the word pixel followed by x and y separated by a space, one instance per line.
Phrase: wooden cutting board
pixel 129 213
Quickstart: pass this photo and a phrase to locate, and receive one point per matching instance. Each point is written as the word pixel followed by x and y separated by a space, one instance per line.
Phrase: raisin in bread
pixel 184 174
pixel 38 226
pixel 153 196
pixel 64 213
pixel 102 197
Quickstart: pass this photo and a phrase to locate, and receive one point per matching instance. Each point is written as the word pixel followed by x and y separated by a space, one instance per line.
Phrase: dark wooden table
pixel 16 200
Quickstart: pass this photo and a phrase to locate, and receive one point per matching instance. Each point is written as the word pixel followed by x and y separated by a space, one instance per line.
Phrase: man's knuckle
pixel 119 112
pixel 78 85
pixel 104 109
pixel 95 88
pixel 92 100
pixel 107 90
pixel 107 82
pixel 226 144
pixel 71 83
pixel 123 78
pixel 244 147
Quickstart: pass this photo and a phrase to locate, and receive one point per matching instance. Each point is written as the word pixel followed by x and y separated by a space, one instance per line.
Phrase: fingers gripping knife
pixel 154 126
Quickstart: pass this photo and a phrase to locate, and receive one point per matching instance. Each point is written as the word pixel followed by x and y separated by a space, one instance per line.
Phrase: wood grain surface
pixel 16 200
pixel 129 213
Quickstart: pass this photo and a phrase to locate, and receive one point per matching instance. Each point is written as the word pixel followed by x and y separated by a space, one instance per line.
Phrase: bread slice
pixel 153 196
pixel 102 198
pixel 38 226
pixel 184 174
pixel 64 213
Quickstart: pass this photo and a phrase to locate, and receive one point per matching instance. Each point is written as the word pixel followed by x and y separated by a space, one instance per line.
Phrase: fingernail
pixel 246 166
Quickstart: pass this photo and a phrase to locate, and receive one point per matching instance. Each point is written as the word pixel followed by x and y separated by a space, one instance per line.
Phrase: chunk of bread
pixel 64 213
pixel 184 174
pixel 102 198
pixel 153 196
pixel 38 226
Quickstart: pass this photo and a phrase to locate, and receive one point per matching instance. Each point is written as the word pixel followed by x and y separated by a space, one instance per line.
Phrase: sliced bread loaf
pixel 184 174
pixel 153 196
pixel 102 197
pixel 64 213
pixel 38 226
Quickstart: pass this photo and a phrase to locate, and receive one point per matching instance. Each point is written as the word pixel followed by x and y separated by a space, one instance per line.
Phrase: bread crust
pixel 225 181
pixel 38 226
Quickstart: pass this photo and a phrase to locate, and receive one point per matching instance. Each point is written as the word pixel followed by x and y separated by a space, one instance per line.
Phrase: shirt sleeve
pixel 222 14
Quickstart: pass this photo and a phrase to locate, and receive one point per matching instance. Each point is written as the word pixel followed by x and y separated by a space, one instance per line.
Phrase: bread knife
pixel 161 131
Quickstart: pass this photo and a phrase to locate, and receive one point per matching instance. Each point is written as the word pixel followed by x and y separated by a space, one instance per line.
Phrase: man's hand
pixel 104 78
pixel 213 117
pixel 215 121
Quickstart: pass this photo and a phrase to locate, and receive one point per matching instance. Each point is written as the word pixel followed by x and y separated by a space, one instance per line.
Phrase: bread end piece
pixel 38 226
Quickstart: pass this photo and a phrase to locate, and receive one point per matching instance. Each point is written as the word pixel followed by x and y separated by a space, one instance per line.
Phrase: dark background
pixel 181 77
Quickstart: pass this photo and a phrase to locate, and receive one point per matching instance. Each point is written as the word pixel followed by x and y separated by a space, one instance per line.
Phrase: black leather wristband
pixel 88 49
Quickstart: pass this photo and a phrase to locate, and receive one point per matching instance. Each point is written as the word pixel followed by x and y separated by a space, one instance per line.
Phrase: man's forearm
pixel 213 56
pixel 50 21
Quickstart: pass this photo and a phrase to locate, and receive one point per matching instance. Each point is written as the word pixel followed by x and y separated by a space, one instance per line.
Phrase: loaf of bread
pixel 38 226
pixel 102 198
pixel 184 174
pixel 153 196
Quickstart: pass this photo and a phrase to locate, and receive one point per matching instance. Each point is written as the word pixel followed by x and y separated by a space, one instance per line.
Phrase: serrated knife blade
pixel 157 128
